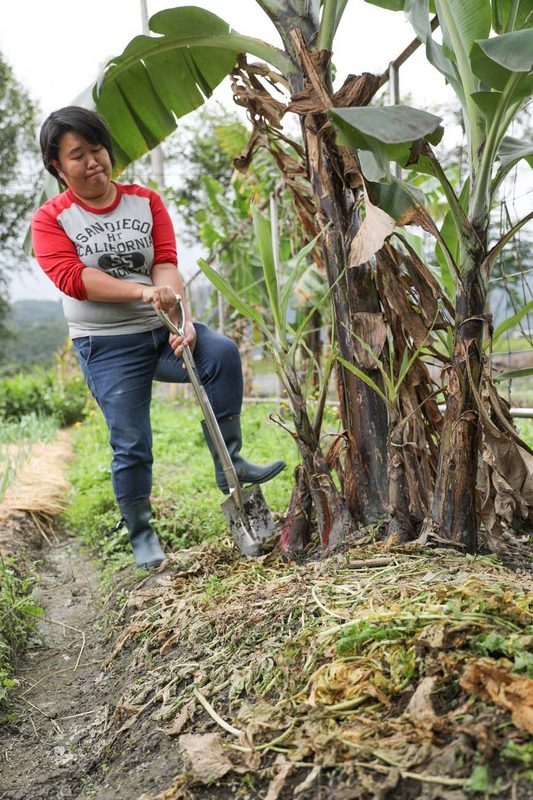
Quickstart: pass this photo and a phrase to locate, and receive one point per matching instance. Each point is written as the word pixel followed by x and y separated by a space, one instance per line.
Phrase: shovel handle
pixel 207 410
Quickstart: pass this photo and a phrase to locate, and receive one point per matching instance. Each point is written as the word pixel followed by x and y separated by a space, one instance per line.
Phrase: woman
pixel 110 249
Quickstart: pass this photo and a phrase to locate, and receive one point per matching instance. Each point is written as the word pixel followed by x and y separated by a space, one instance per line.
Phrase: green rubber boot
pixel 247 472
pixel 143 538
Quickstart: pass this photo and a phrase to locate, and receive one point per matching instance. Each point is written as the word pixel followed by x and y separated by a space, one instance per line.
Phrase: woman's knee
pixel 217 352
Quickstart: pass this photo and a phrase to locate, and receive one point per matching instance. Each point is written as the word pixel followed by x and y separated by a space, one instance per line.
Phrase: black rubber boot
pixel 230 428
pixel 143 538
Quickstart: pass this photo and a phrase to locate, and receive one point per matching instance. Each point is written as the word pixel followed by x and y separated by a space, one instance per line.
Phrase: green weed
pixel 19 608
pixel 522 753
pixel 516 646
pixel 361 633
pixel 480 781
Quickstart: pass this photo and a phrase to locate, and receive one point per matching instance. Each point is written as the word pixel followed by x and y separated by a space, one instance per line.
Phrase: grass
pixel 185 498
pixel 19 608
pixel 19 593
pixel 525 428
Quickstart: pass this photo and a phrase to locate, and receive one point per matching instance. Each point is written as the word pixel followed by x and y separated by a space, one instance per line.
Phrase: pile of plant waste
pixel 379 671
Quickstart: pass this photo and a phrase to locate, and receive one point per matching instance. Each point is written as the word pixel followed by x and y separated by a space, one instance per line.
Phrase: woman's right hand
pixel 163 297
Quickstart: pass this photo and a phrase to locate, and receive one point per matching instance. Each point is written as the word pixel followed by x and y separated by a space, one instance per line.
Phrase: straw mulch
pixel 371 671
pixel 36 495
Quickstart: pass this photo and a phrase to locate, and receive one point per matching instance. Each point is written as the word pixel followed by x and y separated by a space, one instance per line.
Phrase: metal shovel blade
pixel 260 524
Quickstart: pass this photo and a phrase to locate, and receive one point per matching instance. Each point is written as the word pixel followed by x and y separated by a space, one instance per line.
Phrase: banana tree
pixel 284 343
pixel 492 78
pixel 158 79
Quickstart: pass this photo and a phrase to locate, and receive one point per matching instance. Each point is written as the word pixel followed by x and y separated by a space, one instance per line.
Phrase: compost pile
pixel 377 672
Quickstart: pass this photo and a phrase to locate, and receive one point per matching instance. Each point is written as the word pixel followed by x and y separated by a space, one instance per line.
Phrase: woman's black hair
pixel 72 118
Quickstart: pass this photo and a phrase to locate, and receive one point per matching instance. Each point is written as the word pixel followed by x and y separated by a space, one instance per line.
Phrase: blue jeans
pixel 119 371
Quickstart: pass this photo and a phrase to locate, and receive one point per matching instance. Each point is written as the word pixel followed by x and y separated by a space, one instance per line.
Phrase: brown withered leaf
pixel 206 755
pixel 181 719
pixel 357 90
pixel 506 472
pixel 420 708
pixel 352 174
pixel 308 781
pixel 338 682
pixel 314 98
pixel 484 678
pixel 276 784
pixel 249 92
pixel 176 791
pixel 377 226
pixel 371 329
pixel 442 636
pixel 395 291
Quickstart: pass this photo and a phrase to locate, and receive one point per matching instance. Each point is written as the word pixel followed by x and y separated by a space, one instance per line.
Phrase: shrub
pixel 44 392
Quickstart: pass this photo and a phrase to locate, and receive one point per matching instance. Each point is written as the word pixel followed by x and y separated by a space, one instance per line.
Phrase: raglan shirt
pixel 125 240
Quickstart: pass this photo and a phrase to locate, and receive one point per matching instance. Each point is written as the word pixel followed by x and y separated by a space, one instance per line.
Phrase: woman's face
pixel 85 168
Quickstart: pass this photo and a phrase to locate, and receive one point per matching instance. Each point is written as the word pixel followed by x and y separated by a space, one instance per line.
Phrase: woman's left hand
pixel 177 343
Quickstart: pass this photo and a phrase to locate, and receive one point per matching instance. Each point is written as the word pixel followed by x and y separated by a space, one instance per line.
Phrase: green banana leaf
pixel 513 150
pixel 390 133
pixel 263 235
pixel 398 199
pixel 511 322
pixel 390 5
pixel 462 23
pixel 513 373
pixel 501 10
pixel 449 235
pixel 488 103
pixel 386 204
pixel 499 59
pixel 158 79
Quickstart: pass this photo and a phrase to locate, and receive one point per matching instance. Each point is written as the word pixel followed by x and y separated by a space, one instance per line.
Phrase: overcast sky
pixel 56 48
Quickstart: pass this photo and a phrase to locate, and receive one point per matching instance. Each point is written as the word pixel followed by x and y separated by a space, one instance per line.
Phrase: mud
pixel 55 743
pixel 60 710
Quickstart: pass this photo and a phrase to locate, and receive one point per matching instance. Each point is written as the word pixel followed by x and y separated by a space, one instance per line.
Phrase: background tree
pixel 18 166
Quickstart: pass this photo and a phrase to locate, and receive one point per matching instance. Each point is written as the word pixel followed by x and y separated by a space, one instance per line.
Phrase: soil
pixel 51 745
pixel 59 711
pixel 81 726
pixel 64 740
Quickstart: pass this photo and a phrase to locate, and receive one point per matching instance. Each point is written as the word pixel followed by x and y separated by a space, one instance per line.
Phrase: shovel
pixel 247 514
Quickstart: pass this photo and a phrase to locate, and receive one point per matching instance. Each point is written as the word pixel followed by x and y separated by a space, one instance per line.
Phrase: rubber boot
pixel 143 538
pixel 230 428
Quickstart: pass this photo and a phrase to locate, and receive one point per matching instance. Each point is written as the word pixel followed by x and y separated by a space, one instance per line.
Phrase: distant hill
pixel 38 329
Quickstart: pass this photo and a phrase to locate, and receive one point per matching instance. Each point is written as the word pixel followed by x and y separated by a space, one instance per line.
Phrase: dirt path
pixel 60 711
pixel 54 743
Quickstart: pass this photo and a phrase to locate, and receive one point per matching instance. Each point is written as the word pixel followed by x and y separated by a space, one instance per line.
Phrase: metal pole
pixel 156 155
pixel 394 83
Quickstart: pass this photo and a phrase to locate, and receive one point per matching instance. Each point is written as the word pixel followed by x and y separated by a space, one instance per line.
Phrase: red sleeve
pixel 162 233
pixel 56 254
